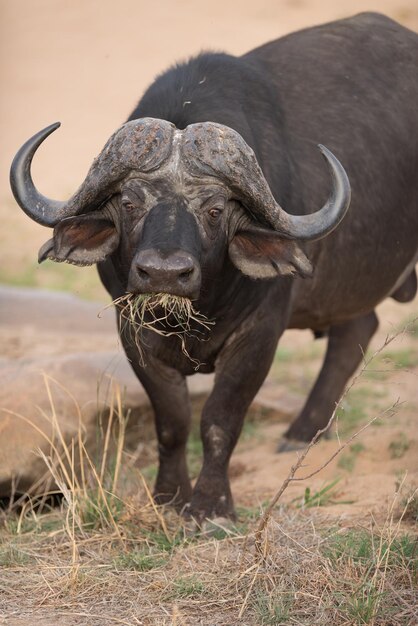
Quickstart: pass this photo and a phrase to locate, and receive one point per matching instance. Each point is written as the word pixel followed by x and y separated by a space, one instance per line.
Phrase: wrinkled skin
pixel 168 228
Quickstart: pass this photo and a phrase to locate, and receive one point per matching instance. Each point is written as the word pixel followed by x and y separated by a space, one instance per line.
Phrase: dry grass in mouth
pixel 165 314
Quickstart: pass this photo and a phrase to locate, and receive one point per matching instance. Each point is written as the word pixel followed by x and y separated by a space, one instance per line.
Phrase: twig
pixel 290 477
pixel 392 409
pixel 296 466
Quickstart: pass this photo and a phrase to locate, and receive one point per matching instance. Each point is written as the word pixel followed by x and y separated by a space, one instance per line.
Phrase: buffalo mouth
pixel 165 314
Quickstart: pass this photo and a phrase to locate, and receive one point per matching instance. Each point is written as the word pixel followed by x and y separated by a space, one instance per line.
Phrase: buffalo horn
pixel 318 224
pixel 41 209
pixel 216 150
pixel 140 145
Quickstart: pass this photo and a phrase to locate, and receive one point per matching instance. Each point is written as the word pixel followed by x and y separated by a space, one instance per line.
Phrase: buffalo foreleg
pixel 170 400
pixel 346 346
pixel 169 397
pixel 241 370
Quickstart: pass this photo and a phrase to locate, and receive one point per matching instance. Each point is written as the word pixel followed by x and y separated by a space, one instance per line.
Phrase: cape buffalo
pixel 186 199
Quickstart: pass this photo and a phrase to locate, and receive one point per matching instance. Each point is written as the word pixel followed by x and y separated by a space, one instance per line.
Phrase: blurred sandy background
pixel 86 63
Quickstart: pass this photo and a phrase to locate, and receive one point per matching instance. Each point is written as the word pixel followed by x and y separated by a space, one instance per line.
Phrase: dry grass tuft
pixel 165 314
pixel 315 570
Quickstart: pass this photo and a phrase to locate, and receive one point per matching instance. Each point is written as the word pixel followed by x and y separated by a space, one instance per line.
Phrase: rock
pixel 42 399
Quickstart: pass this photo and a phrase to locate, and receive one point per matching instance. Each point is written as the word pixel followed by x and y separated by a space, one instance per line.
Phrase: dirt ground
pixel 86 64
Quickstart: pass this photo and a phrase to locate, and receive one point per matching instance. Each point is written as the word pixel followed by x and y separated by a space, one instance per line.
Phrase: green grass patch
pixel 43 523
pixel 411 507
pixel 401 359
pixel 323 497
pixel 297 368
pixel 99 510
pixel 367 549
pixel 284 355
pixel 194 452
pixel 409 502
pixel 410 326
pixel 12 556
pixel 150 473
pixel 361 605
pixel 272 610
pixel 83 282
pixel 390 361
pixel 360 405
pixel 364 554
pixel 161 542
pixel 139 560
pixel 188 587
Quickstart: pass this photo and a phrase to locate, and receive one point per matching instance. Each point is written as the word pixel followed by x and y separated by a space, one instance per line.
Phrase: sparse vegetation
pixel 401 359
pixel 390 361
pixel 324 496
pixel 139 560
pixel 187 587
pixel 60 277
pixel 356 408
pixel 143 562
pixel 11 556
pixel 366 548
pixel 410 505
pixel 411 327
pixel 409 498
pixel 347 460
pixel 399 446
pixel 271 609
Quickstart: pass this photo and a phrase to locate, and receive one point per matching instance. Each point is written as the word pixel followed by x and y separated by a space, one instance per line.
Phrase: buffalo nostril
pixel 186 273
pixel 142 273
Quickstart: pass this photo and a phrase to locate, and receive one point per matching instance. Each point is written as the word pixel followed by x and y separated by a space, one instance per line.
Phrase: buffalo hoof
pixel 290 445
pixel 200 513
pixel 178 500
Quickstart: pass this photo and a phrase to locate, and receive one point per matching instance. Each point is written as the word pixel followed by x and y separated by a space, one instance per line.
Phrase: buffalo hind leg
pixel 346 345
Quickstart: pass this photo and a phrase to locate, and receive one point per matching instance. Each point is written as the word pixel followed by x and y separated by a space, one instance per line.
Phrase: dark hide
pixel 351 85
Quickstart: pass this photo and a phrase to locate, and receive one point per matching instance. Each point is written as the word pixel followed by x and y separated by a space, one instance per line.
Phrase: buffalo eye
pixel 128 206
pixel 215 214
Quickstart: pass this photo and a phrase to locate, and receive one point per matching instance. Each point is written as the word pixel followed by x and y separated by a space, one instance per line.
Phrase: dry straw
pixel 165 314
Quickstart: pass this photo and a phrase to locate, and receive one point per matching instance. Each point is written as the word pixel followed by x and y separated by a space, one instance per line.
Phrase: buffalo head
pixel 172 204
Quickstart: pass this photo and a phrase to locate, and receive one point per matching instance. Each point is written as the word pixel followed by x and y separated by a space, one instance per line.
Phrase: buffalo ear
pixel 262 253
pixel 81 240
